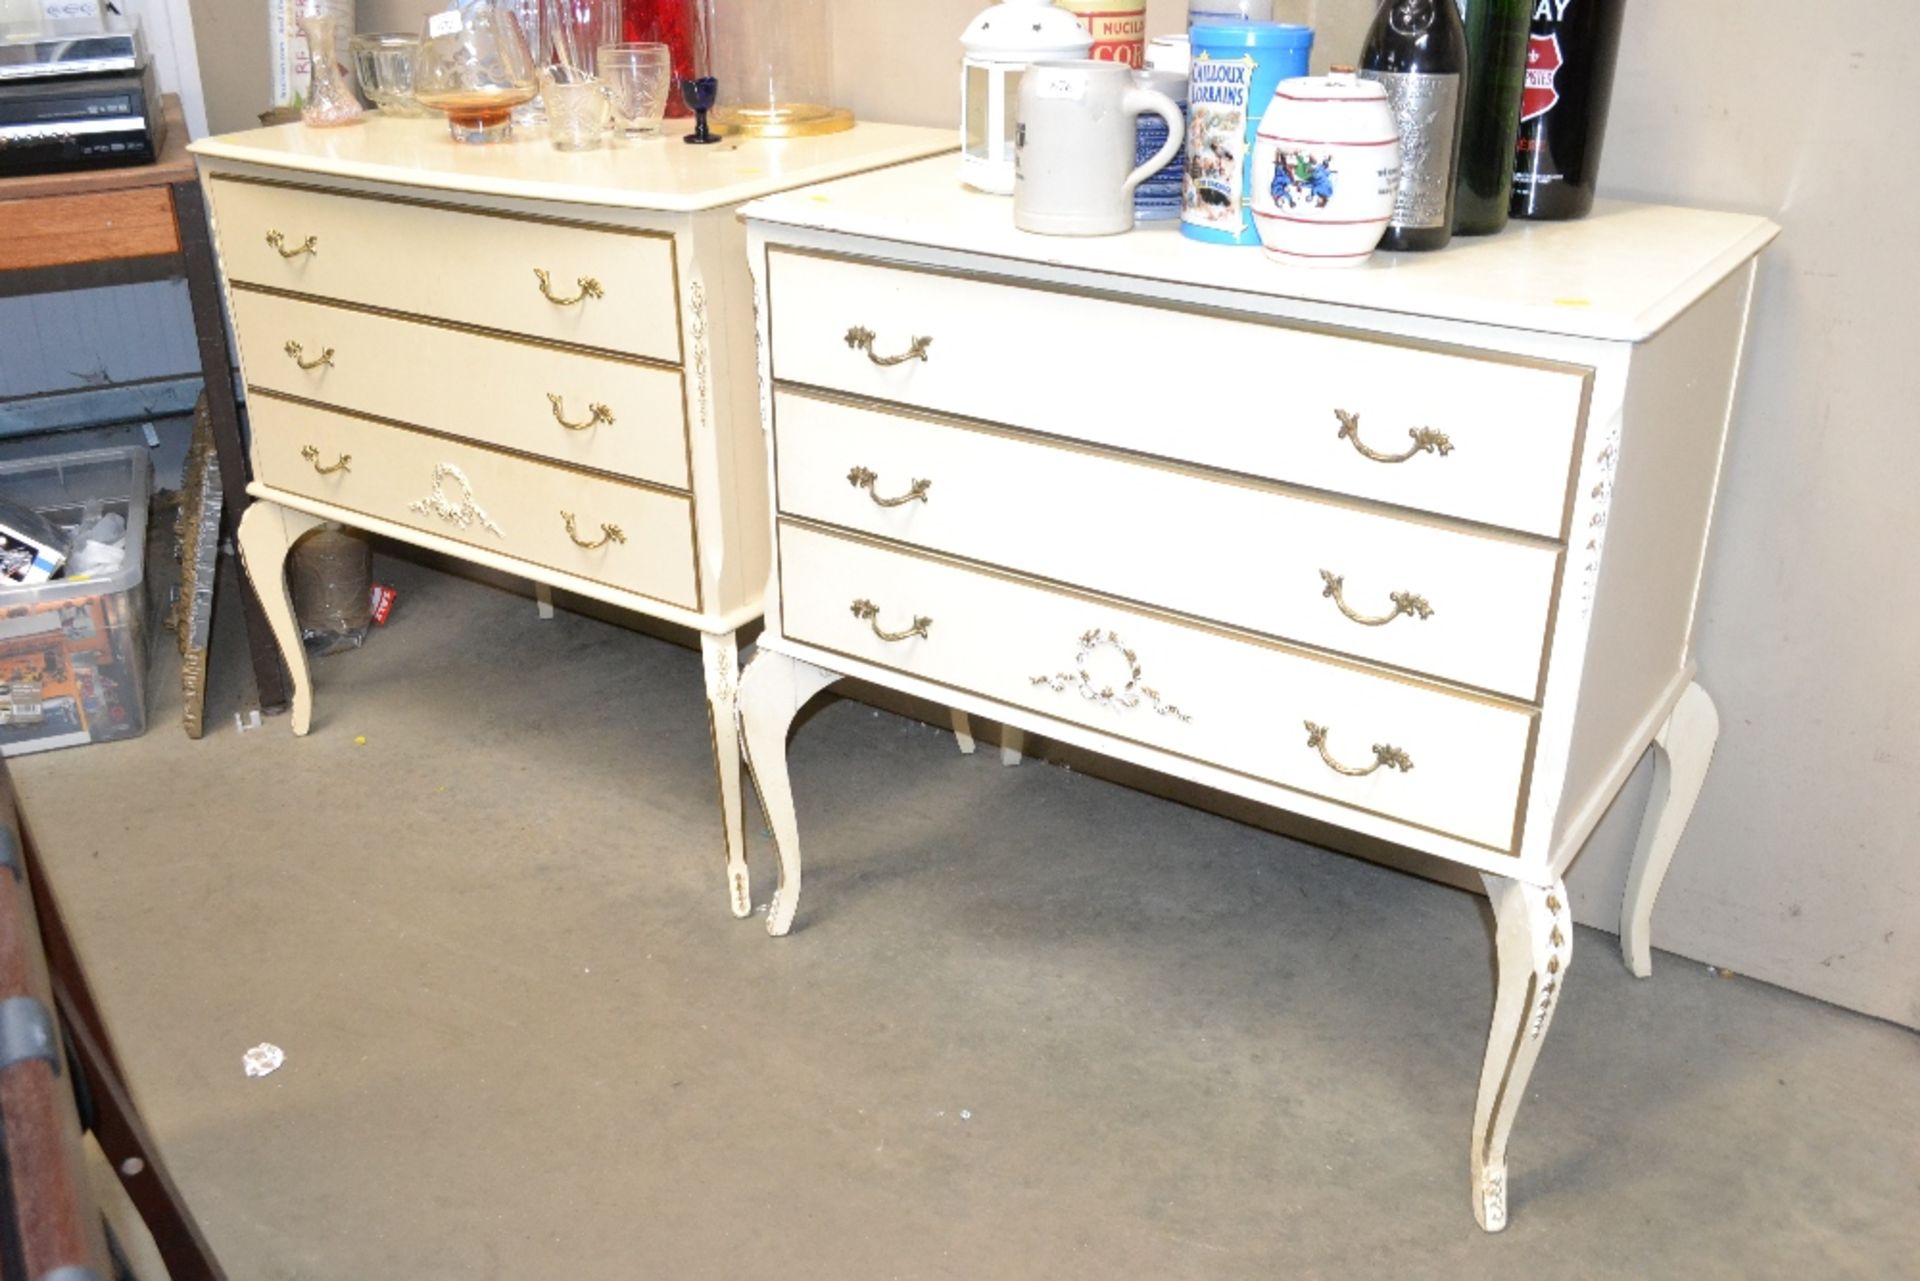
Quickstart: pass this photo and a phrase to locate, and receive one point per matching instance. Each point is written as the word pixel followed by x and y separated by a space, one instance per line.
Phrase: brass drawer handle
pixel 861 338
pixel 1403 603
pixel 861 478
pixel 608 534
pixel 1426 440
pixel 312 454
pixel 587 285
pixel 870 612
pixel 294 350
pixel 596 413
pixel 311 245
pixel 1383 754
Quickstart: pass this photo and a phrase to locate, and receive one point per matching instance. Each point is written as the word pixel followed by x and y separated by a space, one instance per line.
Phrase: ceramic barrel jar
pixel 1325 169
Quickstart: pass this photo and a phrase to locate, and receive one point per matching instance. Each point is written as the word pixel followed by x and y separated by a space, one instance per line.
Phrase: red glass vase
pixel 668 22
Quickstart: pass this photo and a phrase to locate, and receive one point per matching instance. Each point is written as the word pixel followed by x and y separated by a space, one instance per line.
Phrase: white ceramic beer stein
pixel 1074 147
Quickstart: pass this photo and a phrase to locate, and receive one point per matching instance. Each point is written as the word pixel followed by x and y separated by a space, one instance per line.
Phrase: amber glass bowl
pixel 474 66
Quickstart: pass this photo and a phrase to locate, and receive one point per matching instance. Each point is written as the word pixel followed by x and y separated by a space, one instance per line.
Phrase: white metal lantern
pixel 999 46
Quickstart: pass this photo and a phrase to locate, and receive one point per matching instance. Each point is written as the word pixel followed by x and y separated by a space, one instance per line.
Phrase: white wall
pixel 1802 864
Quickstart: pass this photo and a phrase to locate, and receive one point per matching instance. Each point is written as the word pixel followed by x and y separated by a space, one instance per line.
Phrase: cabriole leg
pixel 772 691
pixel 266 533
pixel 1682 750
pixel 720 655
pixel 1533 938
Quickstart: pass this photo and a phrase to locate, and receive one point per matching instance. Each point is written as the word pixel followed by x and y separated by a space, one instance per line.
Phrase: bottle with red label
pixel 1572 48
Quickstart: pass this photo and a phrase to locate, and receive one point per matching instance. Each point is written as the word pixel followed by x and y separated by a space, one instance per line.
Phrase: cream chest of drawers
pixel 1411 550
pixel 538 362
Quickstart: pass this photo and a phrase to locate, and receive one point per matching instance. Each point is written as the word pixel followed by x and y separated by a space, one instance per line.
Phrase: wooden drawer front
pixel 1200 545
pixel 436 261
pixel 1198 692
pixel 492 390
pixel 511 506
pixel 1247 396
pixel 102 226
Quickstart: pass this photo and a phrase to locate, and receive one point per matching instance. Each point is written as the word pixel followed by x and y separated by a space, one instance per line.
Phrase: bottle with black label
pixel 1496 69
pixel 1572 48
pixel 1417 50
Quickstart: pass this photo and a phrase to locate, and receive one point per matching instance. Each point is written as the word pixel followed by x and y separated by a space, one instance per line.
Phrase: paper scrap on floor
pixel 263 1058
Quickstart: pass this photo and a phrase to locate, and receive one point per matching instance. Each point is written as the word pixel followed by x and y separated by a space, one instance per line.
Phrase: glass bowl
pixel 474 65
pixel 383 63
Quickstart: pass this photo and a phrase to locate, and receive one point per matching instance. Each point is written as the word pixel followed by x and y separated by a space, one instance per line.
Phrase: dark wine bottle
pixel 1417 50
pixel 1496 70
pixel 1572 48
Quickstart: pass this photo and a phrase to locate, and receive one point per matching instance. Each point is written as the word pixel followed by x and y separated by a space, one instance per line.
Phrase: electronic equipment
pixel 117 51
pixel 80 122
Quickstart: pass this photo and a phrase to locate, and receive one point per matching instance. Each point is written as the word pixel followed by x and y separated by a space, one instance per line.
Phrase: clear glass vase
pixel 531 15
pixel 774 61
pixel 329 101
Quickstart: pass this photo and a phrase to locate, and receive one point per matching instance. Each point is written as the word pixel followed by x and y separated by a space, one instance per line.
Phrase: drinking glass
pixel 474 65
pixel 383 63
pixel 532 17
pixel 576 108
pixel 577 28
pixel 639 80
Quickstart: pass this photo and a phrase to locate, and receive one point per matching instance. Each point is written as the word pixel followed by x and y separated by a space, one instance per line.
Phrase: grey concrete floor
pixel 1031 1025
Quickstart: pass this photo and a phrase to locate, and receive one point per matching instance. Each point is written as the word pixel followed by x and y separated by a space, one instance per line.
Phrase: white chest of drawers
pixel 538 362
pixel 1411 550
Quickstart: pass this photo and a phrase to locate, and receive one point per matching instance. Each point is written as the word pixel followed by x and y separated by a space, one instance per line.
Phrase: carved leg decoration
pixel 721 656
pixel 772 692
pixel 1682 751
pixel 962 732
pixel 1534 941
pixel 266 533
pixel 1013 745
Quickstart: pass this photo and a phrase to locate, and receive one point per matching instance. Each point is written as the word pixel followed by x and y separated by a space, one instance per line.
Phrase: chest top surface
pixel 1621 274
pixel 660 174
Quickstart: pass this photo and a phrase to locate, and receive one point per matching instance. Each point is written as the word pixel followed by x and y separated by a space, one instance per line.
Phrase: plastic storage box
pixel 73 652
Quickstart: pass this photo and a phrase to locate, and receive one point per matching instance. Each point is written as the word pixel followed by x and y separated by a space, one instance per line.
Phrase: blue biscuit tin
pixel 1235 68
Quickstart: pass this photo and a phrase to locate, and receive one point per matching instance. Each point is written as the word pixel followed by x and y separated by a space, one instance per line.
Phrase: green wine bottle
pixel 1496 73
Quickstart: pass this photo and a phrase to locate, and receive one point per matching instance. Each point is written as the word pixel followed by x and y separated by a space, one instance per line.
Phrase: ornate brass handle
pixel 861 338
pixel 1383 754
pixel 608 534
pixel 312 454
pixel 869 612
pixel 1403 603
pixel 587 285
pixel 311 245
pixel 294 350
pixel 1426 440
pixel 861 478
pixel 596 413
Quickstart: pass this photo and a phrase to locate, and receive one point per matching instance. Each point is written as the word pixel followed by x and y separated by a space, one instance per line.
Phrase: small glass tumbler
pixel 576 108
pixel 639 79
